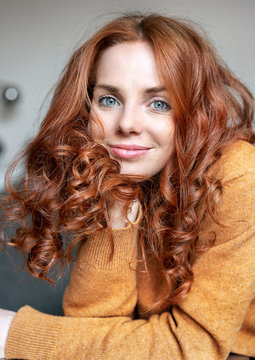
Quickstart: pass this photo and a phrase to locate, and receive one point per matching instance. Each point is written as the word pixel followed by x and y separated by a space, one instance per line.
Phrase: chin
pixel 137 172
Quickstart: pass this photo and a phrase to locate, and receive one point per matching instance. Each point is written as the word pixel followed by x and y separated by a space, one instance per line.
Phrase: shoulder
pixel 236 171
pixel 237 159
pixel 235 208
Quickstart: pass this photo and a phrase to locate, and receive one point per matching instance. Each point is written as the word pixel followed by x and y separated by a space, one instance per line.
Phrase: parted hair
pixel 69 177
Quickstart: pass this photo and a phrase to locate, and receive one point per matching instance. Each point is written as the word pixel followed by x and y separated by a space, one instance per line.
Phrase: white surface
pixel 37 38
pixel 6 317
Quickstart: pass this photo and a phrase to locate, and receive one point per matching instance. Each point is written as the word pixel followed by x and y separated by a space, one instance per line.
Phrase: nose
pixel 130 121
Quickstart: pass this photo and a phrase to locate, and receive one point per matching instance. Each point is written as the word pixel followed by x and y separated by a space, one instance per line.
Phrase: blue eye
pixel 107 101
pixel 160 105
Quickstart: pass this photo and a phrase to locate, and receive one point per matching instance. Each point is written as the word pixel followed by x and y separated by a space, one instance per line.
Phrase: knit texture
pixel 216 317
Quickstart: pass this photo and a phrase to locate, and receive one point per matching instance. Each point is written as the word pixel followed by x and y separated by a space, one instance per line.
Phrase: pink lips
pixel 128 151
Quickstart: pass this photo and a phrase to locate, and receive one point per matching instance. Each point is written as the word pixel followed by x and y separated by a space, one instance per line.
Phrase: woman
pixel 145 158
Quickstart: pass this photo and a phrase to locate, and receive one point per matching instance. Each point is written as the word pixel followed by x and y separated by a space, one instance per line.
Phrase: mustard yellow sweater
pixel 217 316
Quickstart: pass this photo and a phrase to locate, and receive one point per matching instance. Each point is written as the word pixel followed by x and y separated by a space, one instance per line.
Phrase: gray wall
pixel 36 39
pixel 19 288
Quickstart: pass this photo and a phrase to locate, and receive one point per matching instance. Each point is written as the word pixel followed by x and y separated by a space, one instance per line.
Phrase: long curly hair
pixel 69 177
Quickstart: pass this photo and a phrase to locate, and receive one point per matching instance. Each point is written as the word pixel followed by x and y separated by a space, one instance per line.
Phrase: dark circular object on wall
pixel 11 94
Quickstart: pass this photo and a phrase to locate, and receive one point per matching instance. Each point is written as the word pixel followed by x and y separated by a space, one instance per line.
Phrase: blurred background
pixel 36 39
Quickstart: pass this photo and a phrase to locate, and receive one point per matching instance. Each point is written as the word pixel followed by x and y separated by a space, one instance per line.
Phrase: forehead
pixel 128 63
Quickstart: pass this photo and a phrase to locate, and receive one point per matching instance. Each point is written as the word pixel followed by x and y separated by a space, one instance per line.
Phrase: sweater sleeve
pixel 203 326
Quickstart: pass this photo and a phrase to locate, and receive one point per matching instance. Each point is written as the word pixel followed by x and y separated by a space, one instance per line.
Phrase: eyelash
pixel 105 97
pixel 167 105
pixel 101 98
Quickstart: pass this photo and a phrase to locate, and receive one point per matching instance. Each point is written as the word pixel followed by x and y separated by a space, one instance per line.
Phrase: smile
pixel 128 151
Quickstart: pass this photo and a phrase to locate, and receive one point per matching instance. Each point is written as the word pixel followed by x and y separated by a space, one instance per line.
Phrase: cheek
pixel 92 129
pixel 164 133
pixel 96 127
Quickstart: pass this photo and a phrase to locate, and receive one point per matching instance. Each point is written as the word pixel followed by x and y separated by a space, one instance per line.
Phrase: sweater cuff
pixel 27 331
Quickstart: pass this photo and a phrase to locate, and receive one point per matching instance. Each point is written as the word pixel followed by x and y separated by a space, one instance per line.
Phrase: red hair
pixel 69 177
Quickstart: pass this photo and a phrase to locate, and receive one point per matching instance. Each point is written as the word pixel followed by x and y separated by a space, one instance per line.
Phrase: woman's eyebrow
pixel 110 88
pixel 155 89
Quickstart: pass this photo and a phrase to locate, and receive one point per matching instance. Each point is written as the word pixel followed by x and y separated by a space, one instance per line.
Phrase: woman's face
pixel 134 108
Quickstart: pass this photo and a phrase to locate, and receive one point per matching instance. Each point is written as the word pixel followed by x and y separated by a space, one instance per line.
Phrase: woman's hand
pixel 117 215
pixel 6 317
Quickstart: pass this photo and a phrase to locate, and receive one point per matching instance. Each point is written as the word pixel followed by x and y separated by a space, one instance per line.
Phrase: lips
pixel 127 151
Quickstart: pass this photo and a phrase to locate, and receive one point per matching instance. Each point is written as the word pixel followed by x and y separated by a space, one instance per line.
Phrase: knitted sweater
pixel 216 317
